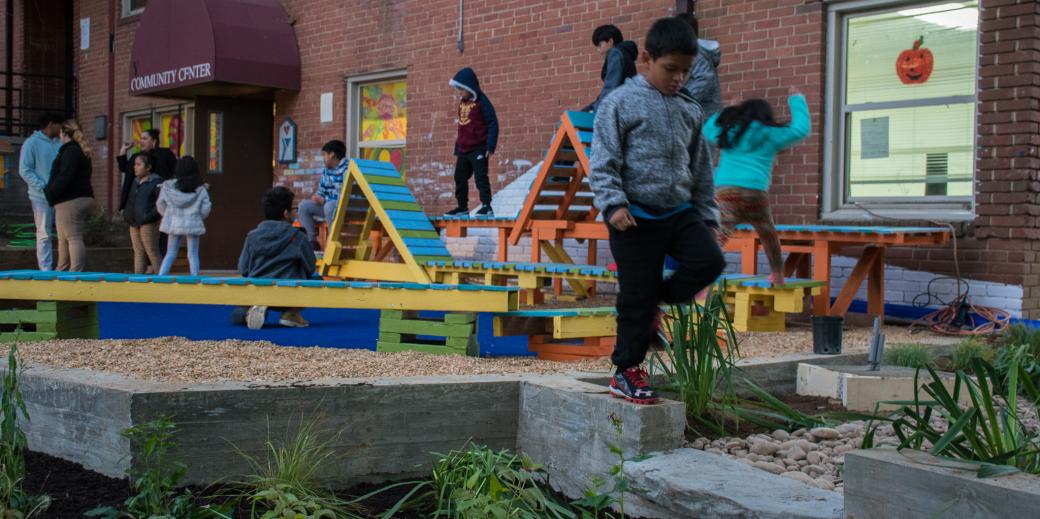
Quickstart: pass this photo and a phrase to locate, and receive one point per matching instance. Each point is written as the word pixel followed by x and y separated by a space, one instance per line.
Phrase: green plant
pixel 287 477
pixel 154 487
pixel 696 362
pixel 1020 344
pixel 988 432
pixel 596 504
pixel 909 356
pixel 15 503
pixel 101 231
pixel 966 351
pixel 478 482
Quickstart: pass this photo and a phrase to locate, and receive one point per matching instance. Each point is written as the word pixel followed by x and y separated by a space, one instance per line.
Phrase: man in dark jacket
pixel 275 249
pixel 619 63
pixel 475 143
pixel 163 158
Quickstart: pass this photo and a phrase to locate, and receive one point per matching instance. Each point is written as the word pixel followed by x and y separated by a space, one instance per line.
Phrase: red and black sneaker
pixel 633 384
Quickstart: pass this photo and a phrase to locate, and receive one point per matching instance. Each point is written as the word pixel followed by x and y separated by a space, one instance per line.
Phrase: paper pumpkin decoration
pixel 914 66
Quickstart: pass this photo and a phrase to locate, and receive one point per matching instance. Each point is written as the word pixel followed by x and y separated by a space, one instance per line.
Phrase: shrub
pixel 966 351
pixel 909 356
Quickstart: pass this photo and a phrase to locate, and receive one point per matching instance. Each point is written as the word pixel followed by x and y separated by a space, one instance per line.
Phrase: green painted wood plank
pixel 419 234
pixel 421 260
pixel 458 342
pixel 27 336
pixel 401 206
pixel 434 328
pixel 390 181
pixel 422 348
pixel 460 318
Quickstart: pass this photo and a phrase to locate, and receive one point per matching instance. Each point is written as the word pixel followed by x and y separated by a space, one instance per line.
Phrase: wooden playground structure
pixel 383 252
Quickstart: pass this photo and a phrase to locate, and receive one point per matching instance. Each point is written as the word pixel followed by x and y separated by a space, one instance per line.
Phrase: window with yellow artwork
pixel 378 115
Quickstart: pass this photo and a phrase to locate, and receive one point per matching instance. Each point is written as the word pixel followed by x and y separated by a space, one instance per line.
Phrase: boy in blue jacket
pixel 651 177
pixel 34 166
pixel 475 142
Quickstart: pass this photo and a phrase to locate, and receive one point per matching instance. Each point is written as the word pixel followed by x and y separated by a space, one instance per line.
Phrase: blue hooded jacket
pixel 466 79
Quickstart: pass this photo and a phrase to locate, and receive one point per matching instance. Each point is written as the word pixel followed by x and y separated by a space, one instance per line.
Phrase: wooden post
pixel 822 272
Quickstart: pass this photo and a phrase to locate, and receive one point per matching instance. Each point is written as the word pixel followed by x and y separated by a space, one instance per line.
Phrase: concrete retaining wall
pixel 883 484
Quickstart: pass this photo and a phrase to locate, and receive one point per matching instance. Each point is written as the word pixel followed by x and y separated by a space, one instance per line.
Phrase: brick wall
pixel 534 60
pixel 1008 168
pixel 768 45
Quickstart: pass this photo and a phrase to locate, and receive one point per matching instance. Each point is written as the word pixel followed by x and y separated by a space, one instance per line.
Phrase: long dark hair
pixel 740 118
pixel 187 173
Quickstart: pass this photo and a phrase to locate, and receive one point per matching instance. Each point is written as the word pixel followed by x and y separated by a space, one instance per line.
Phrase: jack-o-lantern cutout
pixel 914 66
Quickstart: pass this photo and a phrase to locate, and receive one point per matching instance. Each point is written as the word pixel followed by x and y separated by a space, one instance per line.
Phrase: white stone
pixel 814 458
pixel 823 484
pixel 798 476
pixel 825 433
pixel 764 448
pixel 769 467
pixel 781 435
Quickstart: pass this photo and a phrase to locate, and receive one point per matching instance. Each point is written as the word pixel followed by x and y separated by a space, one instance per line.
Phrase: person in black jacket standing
pixel 142 216
pixel 164 161
pixel 619 63
pixel 70 193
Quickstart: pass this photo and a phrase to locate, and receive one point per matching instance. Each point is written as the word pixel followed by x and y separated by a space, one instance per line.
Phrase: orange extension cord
pixel 957 316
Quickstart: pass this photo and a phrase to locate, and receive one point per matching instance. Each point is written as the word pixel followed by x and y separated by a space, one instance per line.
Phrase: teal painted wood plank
pixel 414 225
pixel 584 120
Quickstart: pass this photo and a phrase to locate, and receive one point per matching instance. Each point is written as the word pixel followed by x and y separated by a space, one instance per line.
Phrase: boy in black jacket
pixel 619 62
pixel 475 143
pixel 275 249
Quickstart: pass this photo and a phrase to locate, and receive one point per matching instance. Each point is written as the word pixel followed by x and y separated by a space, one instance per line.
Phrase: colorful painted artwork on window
pixel 216 142
pixel 171 132
pixel 395 156
pixel 384 112
pixel 138 126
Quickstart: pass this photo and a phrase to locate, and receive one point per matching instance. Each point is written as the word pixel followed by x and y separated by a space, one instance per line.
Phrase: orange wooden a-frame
pixel 559 205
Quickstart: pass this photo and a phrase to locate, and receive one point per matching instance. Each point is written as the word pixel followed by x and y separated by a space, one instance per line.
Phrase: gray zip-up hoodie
pixel 703 83
pixel 648 150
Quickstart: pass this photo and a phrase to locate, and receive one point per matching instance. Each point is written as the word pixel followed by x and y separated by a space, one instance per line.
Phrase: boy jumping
pixel 476 141
pixel 651 176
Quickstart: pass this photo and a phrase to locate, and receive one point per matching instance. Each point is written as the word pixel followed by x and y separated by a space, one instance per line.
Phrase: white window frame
pixel 835 205
pixel 127 11
pixel 354 84
pixel 156 116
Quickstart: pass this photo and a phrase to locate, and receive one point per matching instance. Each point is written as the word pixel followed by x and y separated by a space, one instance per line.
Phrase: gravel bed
pixel 176 359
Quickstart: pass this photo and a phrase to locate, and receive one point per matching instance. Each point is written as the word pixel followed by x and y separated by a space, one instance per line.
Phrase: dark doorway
pixel 241 172
pixel 45 81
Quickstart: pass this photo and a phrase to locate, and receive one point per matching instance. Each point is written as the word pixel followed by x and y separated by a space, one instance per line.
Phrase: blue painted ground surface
pixel 332 328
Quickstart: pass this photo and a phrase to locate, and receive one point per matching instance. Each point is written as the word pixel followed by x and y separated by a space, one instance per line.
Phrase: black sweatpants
pixel 639 253
pixel 474 163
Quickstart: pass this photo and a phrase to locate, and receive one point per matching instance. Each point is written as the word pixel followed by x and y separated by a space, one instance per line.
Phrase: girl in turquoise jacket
pixel 749 139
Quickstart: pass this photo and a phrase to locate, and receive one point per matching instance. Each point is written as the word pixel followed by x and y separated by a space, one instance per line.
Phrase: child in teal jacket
pixel 749 139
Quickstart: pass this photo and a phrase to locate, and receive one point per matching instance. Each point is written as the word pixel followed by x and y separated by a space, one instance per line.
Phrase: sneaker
pixel 458 211
pixel 255 317
pixel 293 319
pixel 776 279
pixel 633 385
pixel 485 210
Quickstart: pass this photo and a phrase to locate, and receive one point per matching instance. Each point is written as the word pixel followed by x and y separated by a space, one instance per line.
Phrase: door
pixel 234 146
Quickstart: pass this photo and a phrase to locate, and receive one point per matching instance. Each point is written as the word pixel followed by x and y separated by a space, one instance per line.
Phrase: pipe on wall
pixel 112 140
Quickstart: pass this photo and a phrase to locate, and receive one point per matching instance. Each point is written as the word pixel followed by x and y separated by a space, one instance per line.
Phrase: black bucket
pixel 826 335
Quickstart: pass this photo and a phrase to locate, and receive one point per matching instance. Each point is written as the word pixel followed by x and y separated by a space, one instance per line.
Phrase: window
pixel 173 122
pixel 215 141
pixel 377 118
pixel 132 7
pixel 901 108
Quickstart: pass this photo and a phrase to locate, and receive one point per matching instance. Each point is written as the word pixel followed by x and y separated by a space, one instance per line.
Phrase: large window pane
pixel 877 42
pixel 908 106
pixel 911 152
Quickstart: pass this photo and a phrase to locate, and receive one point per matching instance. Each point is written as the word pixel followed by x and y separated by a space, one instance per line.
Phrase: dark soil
pixel 809 405
pixel 75 490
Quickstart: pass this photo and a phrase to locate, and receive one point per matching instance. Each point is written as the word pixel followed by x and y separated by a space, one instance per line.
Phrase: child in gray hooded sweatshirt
pixel 651 176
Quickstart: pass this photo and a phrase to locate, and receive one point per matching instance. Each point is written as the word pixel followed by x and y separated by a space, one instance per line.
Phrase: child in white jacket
pixel 184 204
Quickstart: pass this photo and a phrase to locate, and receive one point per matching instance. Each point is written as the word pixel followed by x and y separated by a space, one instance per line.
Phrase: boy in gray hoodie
pixel 651 177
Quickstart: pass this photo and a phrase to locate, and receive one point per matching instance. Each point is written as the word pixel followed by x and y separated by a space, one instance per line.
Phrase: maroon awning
pixel 185 48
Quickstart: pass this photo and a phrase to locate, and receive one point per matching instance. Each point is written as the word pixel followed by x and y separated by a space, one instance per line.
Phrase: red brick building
pixel 958 146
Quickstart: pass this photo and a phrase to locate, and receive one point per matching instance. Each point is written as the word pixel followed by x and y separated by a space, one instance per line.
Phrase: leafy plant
pixel 699 364
pixel 966 351
pixel 15 503
pixel 988 432
pixel 154 487
pixel 595 504
pixel 286 479
pixel 1020 344
pixel 478 482
pixel 909 356
pixel 698 360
